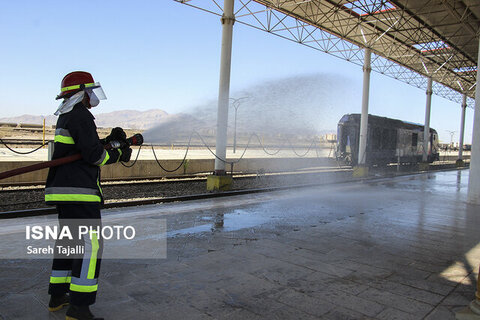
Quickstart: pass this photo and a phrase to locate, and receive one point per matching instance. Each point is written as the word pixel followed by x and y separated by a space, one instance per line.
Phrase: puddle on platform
pixel 238 219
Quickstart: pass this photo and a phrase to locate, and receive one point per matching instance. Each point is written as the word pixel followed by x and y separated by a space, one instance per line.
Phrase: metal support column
pixel 426 132
pixel 362 146
pixel 473 310
pixel 228 20
pixel 462 131
pixel 474 177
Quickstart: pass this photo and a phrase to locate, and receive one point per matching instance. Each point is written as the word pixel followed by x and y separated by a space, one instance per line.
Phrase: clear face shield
pixel 95 93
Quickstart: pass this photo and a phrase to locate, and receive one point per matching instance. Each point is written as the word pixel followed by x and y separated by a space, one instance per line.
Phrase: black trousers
pixel 76 263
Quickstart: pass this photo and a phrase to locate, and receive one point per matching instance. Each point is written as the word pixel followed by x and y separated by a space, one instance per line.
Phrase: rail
pixel 157 200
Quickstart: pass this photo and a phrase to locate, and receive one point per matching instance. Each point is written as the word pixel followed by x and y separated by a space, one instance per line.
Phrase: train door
pixel 414 146
pixel 434 147
pixel 346 139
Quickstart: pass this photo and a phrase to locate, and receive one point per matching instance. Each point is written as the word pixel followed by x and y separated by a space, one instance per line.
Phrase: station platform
pixel 401 248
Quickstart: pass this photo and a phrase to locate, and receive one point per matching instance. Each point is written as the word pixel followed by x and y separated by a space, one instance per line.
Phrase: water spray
pixel 135 140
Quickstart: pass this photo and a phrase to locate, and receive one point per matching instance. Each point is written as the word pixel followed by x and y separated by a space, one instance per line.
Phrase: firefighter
pixel 75 190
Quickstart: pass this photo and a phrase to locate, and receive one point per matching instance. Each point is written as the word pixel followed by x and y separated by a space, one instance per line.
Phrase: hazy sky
pixel 162 54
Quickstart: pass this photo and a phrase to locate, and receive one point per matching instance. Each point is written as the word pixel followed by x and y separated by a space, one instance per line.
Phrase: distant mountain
pixel 123 118
pixel 28 118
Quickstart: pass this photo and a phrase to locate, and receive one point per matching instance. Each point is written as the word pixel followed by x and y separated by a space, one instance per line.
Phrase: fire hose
pixel 135 140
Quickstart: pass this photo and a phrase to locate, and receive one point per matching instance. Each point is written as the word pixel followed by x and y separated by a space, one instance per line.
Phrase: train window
pixel 384 139
pixel 392 143
pixel 389 139
pixel 377 138
pixel 414 139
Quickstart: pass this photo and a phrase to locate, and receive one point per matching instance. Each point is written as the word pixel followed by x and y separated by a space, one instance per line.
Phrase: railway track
pixel 165 179
pixel 29 202
pixel 154 180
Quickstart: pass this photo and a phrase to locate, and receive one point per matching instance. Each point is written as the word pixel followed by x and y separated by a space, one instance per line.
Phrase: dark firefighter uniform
pixel 75 189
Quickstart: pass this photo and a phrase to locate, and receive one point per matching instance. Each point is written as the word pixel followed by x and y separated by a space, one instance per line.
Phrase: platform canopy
pixel 411 39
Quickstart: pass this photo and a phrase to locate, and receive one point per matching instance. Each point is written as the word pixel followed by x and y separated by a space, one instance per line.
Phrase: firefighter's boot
pixel 58 302
pixel 80 313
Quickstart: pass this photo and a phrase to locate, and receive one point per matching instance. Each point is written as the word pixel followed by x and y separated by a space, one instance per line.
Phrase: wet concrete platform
pixel 402 248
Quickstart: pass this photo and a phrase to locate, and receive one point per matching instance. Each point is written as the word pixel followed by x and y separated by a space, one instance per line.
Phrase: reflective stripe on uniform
pixel 87 281
pixel 99 188
pixel 84 282
pixel 86 85
pixel 64 140
pixel 72 194
pixel 63 136
pixel 62 132
pixel 82 288
pixel 72 197
pixel 61 273
pixel 119 154
pixel 93 257
pixel 57 280
pixel 60 276
pixel 103 159
pixel 89 262
pixel 71 190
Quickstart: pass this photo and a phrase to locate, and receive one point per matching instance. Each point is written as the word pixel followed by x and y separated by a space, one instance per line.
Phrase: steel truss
pixel 403 46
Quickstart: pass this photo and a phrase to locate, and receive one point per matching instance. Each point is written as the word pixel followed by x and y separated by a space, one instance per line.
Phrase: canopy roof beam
pixel 410 40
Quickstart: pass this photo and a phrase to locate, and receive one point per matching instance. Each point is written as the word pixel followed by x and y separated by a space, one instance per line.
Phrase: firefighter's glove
pixel 117 134
pixel 126 154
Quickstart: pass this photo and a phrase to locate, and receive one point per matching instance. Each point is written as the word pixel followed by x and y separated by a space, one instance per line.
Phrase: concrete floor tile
pixel 283 273
pixel 339 313
pixel 365 271
pixel 346 286
pixel 407 291
pixel 243 282
pixel 458 299
pixel 26 307
pixel 366 307
pixel 130 310
pixel 402 303
pixel 442 313
pixel 432 268
pixel 286 312
pixel 427 285
pixel 315 263
pixel 468 286
pixel 17 280
pixel 303 302
pixel 244 315
pixel 395 314
pixel 321 282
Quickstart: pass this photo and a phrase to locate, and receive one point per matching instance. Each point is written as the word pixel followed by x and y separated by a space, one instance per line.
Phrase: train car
pixel 388 141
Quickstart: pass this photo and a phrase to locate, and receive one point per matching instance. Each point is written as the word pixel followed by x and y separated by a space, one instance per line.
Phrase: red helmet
pixel 74 82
